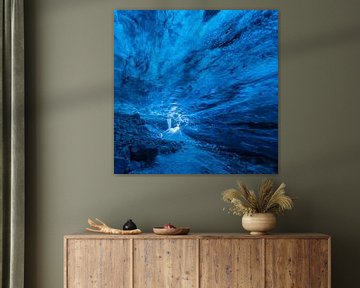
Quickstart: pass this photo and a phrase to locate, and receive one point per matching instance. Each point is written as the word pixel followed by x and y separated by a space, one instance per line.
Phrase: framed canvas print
pixel 195 91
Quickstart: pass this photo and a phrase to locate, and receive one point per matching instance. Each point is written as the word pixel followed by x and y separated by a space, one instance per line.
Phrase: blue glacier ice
pixel 196 92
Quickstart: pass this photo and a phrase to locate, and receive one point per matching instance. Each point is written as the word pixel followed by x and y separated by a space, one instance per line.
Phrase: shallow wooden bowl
pixel 171 231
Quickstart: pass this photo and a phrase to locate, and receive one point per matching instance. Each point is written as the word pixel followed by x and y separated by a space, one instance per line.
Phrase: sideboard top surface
pixel 87 235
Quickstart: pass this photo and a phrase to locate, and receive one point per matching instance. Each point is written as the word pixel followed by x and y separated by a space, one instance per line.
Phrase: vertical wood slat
pixel 131 262
pixel 329 263
pixel 198 263
pixel 319 263
pixel 263 244
pixel 65 263
pixel 165 263
pixel 231 263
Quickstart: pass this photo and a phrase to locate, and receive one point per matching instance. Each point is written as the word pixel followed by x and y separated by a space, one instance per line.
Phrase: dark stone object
pixel 129 225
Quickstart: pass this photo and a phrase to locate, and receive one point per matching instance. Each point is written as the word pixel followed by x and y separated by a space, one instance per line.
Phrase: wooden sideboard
pixel 197 260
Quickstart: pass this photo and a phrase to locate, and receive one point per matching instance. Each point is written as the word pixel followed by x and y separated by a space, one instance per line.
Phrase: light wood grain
pixel 98 264
pixel 204 260
pixel 66 262
pixel 164 263
pixel 231 263
pixel 287 263
pixel 319 263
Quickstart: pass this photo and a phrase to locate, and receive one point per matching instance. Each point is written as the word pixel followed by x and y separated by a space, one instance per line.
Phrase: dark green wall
pixel 69 132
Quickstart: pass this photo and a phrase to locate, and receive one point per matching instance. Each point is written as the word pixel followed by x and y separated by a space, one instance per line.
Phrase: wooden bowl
pixel 171 231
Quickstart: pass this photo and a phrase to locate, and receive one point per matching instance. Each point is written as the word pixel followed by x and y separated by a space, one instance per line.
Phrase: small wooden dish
pixel 171 231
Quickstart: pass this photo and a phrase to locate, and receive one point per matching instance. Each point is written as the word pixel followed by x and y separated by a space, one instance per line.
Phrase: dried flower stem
pixel 245 201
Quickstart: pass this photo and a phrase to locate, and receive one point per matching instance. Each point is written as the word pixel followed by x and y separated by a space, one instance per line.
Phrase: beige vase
pixel 259 223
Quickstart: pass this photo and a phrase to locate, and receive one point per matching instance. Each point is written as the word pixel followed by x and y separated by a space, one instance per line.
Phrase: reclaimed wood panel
pixel 287 263
pixel 319 263
pixel 166 263
pixel 98 264
pixel 197 260
pixel 231 263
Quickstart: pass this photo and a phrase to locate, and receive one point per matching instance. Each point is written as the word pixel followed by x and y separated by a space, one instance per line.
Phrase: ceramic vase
pixel 259 223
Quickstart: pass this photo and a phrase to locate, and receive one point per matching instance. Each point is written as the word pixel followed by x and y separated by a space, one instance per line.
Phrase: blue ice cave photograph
pixel 195 91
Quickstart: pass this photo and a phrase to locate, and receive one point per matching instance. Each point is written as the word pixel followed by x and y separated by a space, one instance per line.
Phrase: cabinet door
pixel 165 263
pixel 231 263
pixel 98 263
pixel 320 263
pixel 297 263
pixel 287 263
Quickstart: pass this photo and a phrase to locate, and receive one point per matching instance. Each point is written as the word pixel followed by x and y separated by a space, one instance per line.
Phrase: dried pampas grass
pixel 267 200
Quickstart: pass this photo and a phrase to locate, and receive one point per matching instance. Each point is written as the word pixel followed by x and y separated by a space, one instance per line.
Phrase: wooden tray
pixel 171 231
